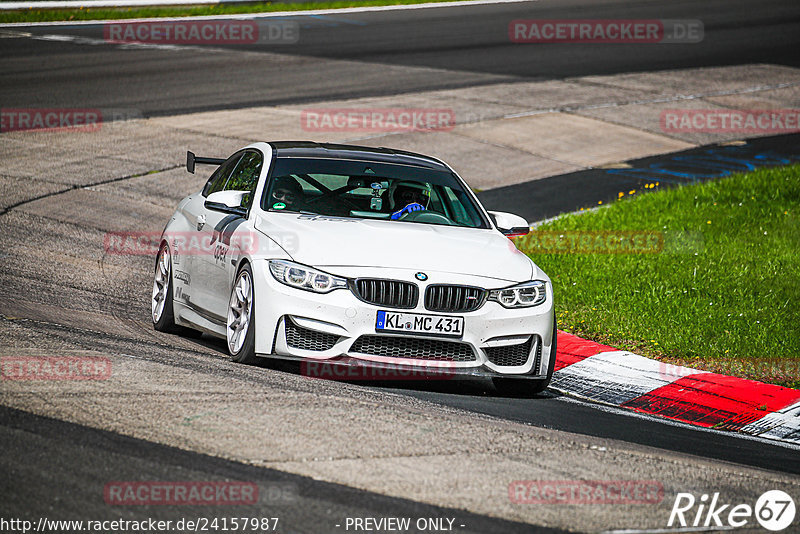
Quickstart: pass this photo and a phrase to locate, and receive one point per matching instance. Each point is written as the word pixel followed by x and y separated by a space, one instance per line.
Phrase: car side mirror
pixel 509 224
pixel 226 201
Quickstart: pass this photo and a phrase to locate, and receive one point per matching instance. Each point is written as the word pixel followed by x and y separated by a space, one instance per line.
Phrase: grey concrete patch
pixel 116 151
pixel 700 81
pixel 572 139
pixel 467 105
pixel 483 165
pixel 786 98
pixel 248 126
pixel 647 118
pixel 546 95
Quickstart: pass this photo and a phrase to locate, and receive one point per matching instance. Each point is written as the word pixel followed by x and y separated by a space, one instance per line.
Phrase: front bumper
pixel 339 329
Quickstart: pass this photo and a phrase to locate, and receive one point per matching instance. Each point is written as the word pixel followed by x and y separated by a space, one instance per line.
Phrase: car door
pixel 223 232
pixel 190 247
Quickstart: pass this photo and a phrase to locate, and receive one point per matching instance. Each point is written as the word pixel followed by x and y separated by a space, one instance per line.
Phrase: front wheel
pixel 529 387
pixel 241 328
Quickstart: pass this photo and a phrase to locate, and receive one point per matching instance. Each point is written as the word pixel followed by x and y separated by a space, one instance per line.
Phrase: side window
pixel 245 176
pixel 220 176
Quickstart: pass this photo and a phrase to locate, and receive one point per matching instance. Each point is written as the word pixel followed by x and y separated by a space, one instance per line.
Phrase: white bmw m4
pixel 355 257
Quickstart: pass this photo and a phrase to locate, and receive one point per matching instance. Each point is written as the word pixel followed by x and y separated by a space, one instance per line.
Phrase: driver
pixel 287 193
pixel 408 197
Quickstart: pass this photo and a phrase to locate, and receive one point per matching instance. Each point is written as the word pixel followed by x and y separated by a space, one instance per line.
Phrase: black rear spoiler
pixel 191 159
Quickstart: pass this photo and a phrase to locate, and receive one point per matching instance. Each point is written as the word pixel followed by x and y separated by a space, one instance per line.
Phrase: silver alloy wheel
pixel 239 310
pixel 161 284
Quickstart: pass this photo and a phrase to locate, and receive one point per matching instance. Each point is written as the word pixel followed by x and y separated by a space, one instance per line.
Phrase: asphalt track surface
pixel 551 410
pixel 381 53
pixel 308 506
pixel 375 54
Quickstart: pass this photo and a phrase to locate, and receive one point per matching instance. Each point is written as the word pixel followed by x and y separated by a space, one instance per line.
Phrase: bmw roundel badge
pixel 421 276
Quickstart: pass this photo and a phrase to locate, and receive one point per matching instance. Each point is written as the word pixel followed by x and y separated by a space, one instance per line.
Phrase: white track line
pixel 276 14
pixel 70 4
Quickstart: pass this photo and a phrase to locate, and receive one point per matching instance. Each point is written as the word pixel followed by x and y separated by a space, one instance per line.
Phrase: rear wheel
pixel 161 302
pixel 528 387
pixel 241 327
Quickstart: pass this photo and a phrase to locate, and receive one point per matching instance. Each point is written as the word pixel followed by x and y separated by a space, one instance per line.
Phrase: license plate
pixel 417 323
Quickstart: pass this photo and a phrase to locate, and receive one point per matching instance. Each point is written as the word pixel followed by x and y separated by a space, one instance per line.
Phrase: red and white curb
pixel 606 375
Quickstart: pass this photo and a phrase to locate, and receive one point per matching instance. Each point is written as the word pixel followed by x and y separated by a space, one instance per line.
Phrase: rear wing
pixel 191 159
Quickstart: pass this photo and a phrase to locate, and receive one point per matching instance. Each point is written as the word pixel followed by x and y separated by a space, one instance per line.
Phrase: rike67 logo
pixel 774 510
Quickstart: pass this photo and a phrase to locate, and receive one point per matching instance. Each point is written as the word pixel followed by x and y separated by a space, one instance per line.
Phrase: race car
pixel 354 256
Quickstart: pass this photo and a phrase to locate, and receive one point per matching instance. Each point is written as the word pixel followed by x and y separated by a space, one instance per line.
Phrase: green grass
pixel 42 15
pixel 723 293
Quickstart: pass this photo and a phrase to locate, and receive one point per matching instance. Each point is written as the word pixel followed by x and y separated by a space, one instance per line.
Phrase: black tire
pixel 246 354
pixel 551 366
pixel 528 387
pixel 166 321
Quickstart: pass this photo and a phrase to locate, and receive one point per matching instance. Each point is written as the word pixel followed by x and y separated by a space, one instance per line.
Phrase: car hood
pixel 328 242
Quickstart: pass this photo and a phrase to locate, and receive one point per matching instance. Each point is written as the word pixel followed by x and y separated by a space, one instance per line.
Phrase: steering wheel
pixel 425 216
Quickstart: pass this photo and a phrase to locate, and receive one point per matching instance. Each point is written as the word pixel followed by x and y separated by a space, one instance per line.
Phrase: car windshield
pixel 370 190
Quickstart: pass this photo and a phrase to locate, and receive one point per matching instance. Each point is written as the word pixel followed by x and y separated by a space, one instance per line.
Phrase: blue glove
pixel 408 209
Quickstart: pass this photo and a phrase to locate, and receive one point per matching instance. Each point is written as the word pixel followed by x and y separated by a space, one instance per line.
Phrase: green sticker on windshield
pixel 278 206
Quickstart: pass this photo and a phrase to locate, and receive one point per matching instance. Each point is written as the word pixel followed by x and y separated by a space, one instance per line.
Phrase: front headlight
pixel 523 295
pixel 303 277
